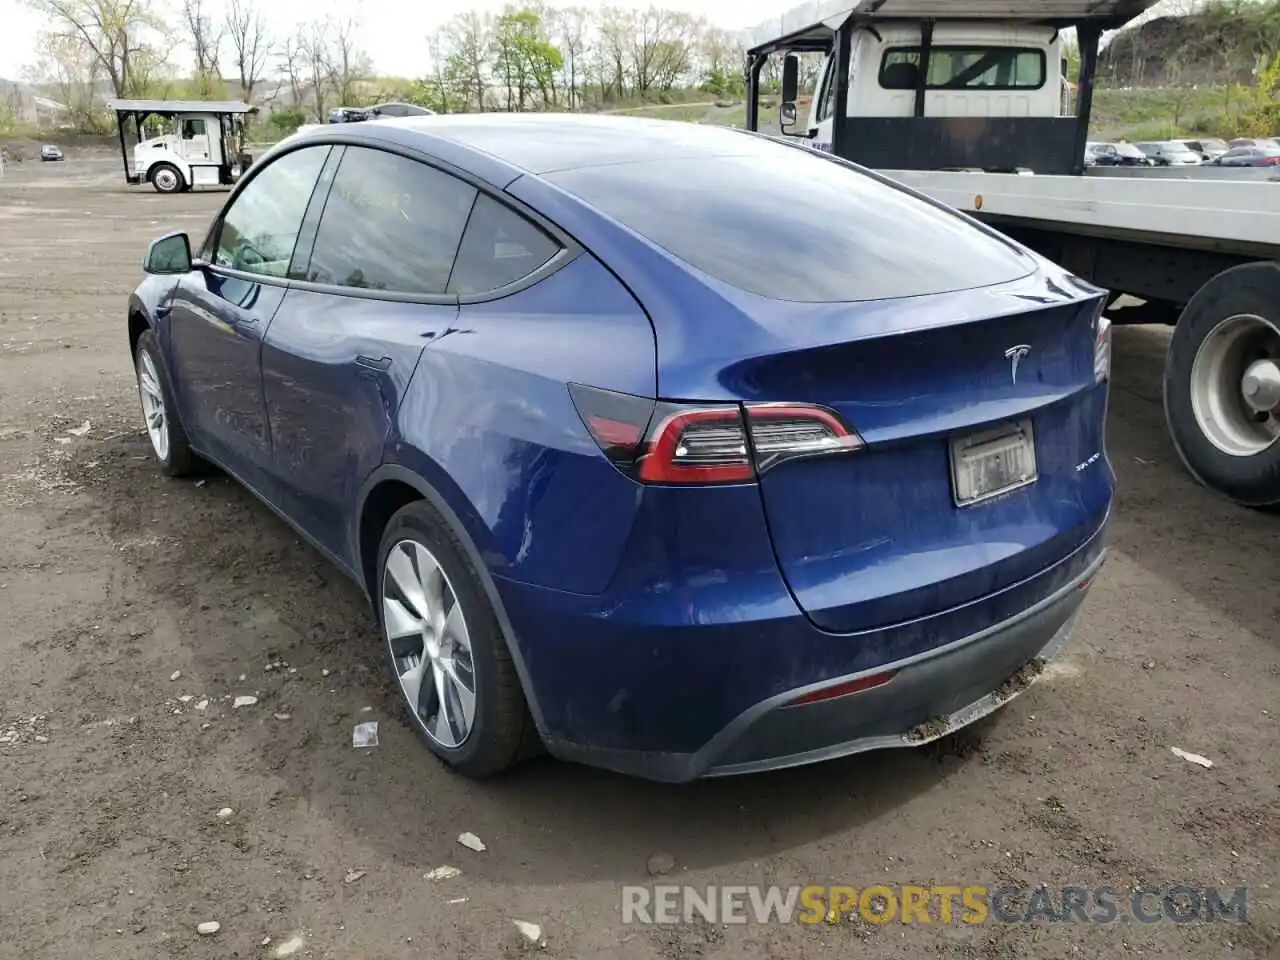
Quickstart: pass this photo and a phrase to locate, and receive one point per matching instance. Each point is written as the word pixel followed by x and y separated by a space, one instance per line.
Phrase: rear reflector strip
pixel 843 689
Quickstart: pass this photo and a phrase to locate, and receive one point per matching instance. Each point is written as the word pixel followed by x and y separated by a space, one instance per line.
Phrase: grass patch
pixel 1134 114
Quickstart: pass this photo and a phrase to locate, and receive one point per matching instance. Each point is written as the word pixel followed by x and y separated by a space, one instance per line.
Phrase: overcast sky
pixel 393 31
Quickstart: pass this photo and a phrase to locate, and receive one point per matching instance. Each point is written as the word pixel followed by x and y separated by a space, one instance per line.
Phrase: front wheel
pixel 1222 384
pixel 446 648
pixel 168 438
pixel 166 178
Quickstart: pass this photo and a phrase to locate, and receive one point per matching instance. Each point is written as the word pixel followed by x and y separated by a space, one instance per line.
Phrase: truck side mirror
pixel 169 254
pixel 790 78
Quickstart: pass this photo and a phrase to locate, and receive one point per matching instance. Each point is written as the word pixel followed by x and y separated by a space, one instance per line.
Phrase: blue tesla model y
pixel 669 449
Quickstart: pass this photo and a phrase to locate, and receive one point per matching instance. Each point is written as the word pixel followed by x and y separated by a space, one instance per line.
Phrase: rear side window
pixel 788 224
pixel 963 68
pixel 499 248
pixel 390 223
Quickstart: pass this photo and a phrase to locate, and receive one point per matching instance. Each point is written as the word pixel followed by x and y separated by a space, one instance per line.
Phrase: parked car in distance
pixel 400 110
pixel 1206 149
pixel 377 112
pixel 1262 155
pixel 49 152
pixel 1169 153
pixel 646 487
pixel 1104 154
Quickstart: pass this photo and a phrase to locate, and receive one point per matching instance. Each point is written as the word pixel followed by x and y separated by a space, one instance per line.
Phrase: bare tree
pixel 346 66
pixel 313 41
pixel 250 43
pixel 569 31
pixel 114 32
pixel 293 64
pixel 205 37
pixel 75 71
pixel 617 30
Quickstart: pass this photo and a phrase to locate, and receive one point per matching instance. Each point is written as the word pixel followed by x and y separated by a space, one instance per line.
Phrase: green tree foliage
pixel 1261 114
pixel 524 60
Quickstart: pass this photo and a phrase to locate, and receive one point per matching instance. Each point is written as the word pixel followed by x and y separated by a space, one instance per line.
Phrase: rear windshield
pixel 791 225
pixel 962 68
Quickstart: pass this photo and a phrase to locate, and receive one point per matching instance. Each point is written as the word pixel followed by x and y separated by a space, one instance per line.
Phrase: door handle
pixel 373 363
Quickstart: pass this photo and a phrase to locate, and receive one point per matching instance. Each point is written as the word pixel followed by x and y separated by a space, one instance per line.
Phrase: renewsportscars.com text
pixel 941 904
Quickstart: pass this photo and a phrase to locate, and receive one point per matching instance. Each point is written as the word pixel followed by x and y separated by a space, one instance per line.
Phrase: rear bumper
pixel 930 696
pixel 676 702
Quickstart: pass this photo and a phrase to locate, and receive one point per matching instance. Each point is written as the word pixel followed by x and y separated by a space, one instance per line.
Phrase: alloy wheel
pixel 153 410
pixel 426 632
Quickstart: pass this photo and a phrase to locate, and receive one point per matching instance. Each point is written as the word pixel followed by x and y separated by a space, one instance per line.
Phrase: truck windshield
pixel 959 68
pixel 790 224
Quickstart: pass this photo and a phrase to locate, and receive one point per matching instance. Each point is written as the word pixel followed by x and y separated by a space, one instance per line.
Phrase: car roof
pixel 484 144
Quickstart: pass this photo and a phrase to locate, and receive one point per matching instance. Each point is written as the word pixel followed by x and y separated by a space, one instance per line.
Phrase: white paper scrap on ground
pixel 365 735
pixel 1192 757
pixel 532 932
pixel 472 842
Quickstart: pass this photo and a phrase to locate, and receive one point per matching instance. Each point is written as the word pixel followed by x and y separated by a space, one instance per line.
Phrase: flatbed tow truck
pixel 202 147
pixel 962 102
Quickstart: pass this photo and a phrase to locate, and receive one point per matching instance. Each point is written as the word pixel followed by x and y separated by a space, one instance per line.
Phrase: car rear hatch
pixel 981 457
pixel 924 410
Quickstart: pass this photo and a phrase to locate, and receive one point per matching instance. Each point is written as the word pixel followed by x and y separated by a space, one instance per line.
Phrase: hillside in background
pixel 1223 44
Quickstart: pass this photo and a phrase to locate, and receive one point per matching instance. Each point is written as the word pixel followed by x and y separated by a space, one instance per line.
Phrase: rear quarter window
pixel 499 248
pixel 790 225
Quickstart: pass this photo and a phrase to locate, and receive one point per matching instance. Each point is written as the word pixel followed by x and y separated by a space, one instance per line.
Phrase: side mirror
pixel 790 78
pixel 786 115
pixel 169 254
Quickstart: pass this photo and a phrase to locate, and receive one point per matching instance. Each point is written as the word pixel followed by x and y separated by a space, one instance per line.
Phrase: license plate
pixel 992 462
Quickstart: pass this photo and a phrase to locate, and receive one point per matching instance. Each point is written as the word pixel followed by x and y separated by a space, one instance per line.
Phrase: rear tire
pixel 441 634
pixel 1230 325
pixel 166 178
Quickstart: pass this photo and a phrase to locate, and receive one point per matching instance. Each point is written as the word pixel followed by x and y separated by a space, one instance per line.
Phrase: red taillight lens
pixel 697 445
pixel 663 442
pixel 1272 161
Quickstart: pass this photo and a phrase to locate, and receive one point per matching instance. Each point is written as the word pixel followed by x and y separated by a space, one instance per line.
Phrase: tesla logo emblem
pixel 1014 355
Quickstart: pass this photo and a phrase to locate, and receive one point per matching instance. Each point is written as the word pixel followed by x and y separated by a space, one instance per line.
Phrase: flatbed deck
pixel 1231 216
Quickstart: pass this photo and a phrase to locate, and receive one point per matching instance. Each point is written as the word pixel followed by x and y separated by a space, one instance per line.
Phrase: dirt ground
pixel 127 600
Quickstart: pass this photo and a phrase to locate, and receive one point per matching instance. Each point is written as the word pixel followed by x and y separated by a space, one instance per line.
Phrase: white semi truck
pixel 963 102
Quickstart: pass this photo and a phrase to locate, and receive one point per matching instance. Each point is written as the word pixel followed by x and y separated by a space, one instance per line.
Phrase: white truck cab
pixel 975 70
pixel 201 146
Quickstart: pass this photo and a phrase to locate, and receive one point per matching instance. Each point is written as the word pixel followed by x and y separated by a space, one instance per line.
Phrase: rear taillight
pixel 665 442
pixel 1102 349
pixel 1271 161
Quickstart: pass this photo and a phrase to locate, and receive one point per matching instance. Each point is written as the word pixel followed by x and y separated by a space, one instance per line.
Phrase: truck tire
pixel 166 178
pixel 1222 384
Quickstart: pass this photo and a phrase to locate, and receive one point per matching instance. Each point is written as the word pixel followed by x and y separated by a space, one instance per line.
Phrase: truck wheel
pixel 166 178
pixel 1222 384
